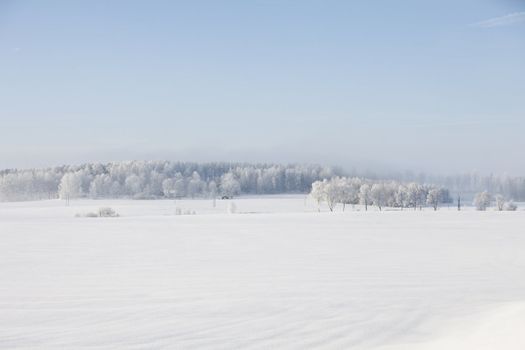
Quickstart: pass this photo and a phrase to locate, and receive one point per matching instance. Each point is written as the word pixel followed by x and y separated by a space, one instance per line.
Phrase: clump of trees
pixel 159 179
pixel 344 191
pixel 483 200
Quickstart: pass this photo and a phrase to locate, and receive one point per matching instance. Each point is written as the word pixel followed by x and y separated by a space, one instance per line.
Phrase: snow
pixel 277 274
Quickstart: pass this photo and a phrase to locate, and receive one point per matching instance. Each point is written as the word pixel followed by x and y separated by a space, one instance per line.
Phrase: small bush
pixel 179 211
pixel 510 206
pixel 107 212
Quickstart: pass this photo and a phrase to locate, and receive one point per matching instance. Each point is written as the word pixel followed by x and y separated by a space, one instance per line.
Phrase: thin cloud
pixel 507 20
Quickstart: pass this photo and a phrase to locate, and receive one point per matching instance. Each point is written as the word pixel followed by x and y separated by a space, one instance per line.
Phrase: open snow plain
pixel 276 274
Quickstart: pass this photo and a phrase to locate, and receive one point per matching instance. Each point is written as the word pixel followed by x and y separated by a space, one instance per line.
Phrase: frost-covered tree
pixel 500 202
pixel 100 186
pixel 154 185
pixel 196 186
pixel 414 194
pixel 348 191
pixel 318 193
pixel 179 186
pixel 331 192
pixel 212 192
pixel 482 200
pixel 401 196
pixel 364 195
pixel 229 185
pixel 133 184
pixel 70 186
pixel 377 194
pixel 435 196
pixel 168 188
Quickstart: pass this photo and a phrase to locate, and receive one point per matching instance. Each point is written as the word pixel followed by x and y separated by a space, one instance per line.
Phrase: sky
pixel 435 86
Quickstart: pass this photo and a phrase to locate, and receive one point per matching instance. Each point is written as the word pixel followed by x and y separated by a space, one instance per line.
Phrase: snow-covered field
pixel 277 274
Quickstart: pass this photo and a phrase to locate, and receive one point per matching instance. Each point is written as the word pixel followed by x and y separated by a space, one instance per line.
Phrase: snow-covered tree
pixel 364 195
pixel 229 185
pixel 401 196
pixel 70 186
pixel 168 188
pixel 133 184
pixel 500 202
pixel 414 194
pixel 377 194
pixel 317 193
pixel 482 200
pixel 196 185
pixel 435 196
pixel 101 186
pixel 332 193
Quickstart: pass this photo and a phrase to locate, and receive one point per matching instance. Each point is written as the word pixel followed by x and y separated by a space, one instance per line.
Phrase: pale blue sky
pixel 421 85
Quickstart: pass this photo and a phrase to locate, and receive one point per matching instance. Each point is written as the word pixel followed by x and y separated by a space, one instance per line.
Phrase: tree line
pixel 159 179
pixel 394 194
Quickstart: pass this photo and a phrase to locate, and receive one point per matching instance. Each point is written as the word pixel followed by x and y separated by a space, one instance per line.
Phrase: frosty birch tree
pixel 212 190
pixel 434 198
pixel 70 186
pixel 331 194
pixel 500 202
pixel 377 194
pixel 317 193
pixel 364 195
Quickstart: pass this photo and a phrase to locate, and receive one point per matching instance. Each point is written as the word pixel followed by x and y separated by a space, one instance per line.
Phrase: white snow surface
pixel 276 275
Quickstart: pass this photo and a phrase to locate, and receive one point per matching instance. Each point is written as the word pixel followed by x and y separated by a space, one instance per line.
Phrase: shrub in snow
pixel 107 212
pixel 179 211
pixel 102 212
pixel 510 206
pixel 482 200
pixel 232 208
